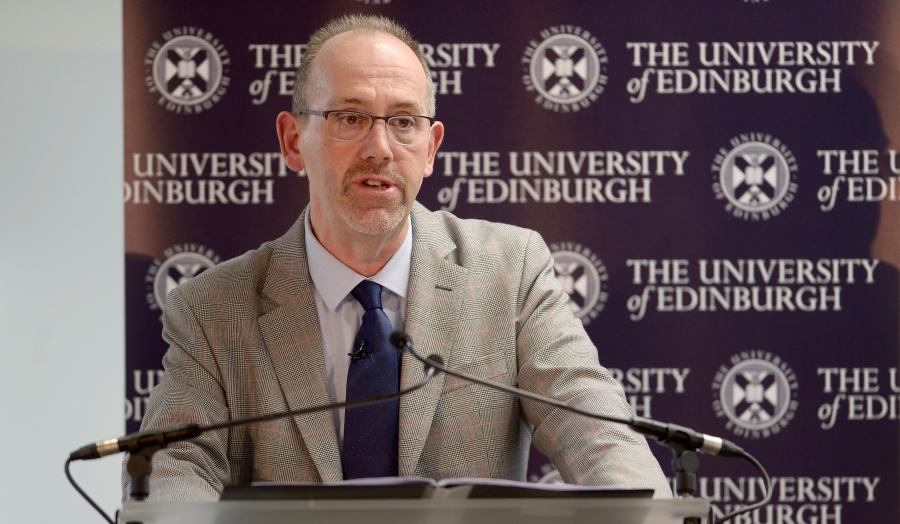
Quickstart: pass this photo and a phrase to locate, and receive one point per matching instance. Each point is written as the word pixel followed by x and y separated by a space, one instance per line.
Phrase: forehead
pixel 370 70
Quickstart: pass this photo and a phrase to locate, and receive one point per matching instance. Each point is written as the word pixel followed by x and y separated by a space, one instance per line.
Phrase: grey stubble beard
pixel 364 217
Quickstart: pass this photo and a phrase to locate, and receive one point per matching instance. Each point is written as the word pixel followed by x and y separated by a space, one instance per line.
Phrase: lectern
pixel 424 511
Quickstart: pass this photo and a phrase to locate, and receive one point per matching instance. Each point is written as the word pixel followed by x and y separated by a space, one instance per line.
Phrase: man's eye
pixel 402 123
pixel 348 119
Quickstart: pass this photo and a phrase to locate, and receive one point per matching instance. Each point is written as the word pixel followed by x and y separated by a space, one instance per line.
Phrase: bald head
pixel 360 25
pixel 356 70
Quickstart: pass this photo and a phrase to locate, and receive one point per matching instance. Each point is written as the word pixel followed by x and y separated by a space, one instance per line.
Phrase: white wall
pixel 61 254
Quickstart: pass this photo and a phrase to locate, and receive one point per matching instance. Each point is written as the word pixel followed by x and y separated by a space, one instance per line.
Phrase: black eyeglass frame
pixel 324 114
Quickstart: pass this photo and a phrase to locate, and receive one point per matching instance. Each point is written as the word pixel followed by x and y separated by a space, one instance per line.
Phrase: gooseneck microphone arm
pixel 683 441
pixel 135 442
pixel 144 444
pixel 673 433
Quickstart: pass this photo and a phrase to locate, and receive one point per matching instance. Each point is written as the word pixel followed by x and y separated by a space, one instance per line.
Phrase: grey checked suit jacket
pixel 244 341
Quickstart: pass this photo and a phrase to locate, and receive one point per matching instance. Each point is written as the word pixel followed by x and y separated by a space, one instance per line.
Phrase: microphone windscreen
pixel 436 359
pixel 399 339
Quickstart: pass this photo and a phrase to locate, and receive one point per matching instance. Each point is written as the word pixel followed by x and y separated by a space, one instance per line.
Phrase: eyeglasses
pixel 353 126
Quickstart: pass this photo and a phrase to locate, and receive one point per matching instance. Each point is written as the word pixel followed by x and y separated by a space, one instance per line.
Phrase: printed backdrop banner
pixel 717 181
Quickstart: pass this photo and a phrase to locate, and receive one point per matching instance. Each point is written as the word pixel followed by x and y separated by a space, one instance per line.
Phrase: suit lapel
pixel 292 337
pixel 436 288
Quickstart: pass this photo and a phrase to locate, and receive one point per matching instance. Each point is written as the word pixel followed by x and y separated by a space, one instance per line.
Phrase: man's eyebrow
pixel 405 104
pixel 349 100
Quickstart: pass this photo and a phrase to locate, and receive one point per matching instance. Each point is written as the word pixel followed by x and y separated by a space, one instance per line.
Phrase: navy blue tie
pixel 371 432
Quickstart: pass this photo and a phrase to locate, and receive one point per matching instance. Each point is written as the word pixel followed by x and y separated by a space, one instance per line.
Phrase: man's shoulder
pixel 470 231
pixel 474 238
pixel 247 279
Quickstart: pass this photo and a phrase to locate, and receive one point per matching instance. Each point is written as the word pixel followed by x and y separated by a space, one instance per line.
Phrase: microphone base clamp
pixel 140 464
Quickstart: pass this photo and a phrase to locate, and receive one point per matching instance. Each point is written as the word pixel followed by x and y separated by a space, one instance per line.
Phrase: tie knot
pixel 368 294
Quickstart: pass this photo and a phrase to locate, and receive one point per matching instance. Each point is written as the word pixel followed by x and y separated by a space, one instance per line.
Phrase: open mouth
pixel 375 184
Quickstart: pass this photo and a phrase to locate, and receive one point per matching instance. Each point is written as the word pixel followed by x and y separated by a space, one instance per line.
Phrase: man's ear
pixel 434 142
pixel 289 128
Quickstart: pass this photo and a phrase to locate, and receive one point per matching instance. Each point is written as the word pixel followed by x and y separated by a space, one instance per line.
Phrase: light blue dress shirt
pixel 340 315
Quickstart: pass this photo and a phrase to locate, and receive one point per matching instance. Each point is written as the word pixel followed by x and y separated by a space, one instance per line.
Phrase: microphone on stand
pixel 681 440
pixel 142 445
pixel 138 441
pixel 674 433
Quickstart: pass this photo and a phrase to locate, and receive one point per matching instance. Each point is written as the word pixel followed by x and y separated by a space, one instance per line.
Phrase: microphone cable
pixel 85 495
pixel 766 480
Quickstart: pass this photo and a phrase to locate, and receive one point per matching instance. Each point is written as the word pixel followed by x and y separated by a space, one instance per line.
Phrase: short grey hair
pixel 347 23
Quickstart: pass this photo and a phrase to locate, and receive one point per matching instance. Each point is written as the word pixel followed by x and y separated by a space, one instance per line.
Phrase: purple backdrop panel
pixel 717 181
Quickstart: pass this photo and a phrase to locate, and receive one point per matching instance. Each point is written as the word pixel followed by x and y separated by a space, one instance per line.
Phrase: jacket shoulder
pixel 237 287
pixel 483 244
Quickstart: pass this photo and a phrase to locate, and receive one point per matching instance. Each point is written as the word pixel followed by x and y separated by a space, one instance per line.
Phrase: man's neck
pixel 365 254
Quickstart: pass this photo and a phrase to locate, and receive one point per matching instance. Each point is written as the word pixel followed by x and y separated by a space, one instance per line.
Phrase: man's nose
pixel 377 144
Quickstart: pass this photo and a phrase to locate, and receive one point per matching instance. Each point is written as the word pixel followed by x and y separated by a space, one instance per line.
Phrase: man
pixel 276 328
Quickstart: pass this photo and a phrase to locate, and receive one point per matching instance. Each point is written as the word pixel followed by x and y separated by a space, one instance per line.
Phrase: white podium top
pixel 421 511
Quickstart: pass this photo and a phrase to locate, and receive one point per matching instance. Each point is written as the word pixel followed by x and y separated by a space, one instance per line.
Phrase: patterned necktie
pixel 371 432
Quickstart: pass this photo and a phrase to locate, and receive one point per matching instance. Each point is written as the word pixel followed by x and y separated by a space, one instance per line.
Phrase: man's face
pixel 367 186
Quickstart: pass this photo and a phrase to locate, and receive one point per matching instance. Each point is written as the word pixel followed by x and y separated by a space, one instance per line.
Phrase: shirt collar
pixel 334 280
